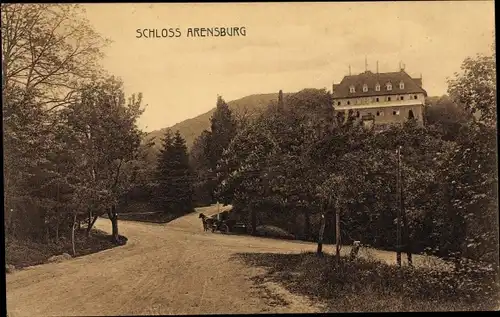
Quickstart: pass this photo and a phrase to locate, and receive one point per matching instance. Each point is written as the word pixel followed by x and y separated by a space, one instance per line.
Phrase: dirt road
pixel 174 268
pixel 164 269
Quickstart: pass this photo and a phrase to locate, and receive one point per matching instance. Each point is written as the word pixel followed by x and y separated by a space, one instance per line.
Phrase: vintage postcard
pixel 249 158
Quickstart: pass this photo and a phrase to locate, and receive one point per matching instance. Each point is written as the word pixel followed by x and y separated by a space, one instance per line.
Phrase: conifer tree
pixel 175 188
pixel 223 129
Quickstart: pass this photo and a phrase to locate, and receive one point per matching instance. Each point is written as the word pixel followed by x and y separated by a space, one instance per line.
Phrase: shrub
pixel 274 232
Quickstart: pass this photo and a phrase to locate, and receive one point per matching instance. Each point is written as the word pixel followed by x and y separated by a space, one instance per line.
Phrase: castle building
pixel 380 98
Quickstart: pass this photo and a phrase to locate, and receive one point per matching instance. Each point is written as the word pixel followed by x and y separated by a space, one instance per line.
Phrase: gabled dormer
pixel 388 86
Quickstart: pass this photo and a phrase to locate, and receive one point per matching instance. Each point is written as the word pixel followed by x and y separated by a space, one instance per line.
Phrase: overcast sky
pixel 288 46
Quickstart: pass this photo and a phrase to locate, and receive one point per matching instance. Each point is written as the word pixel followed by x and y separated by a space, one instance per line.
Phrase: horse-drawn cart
pixel 224 223
pixel 230 225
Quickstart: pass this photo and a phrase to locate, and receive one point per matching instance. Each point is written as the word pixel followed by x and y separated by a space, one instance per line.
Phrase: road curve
pixel 174 268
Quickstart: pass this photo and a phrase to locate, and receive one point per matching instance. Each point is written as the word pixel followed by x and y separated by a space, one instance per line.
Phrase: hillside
pixel 192 128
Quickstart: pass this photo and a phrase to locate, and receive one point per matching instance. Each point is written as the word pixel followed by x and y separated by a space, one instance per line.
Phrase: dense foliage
pixel 70 134
pixel 299 160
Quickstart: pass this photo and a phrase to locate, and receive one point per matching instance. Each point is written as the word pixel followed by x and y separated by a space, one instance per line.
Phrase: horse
pixel 207 222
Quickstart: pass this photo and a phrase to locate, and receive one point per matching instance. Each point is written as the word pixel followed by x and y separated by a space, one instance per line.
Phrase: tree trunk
pixel 73 234
pixel 57 231
pixel 321 232
pixel 337 234
pixel 407 239
pixel 113 216
pixel 406 229
pixel 91 224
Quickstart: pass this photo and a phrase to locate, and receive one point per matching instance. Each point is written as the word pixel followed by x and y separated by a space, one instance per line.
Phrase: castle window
pixel 348 102
pixel 402 98
pixel 352 89
pixel 377 87
pixel 378 113
pixel 377 99
pixel 388 98
pixel 415 97
pixel 388 86
pixel 395 112
pixel 401 85
pixel 365 88
pixel 338 103
pixel 357 114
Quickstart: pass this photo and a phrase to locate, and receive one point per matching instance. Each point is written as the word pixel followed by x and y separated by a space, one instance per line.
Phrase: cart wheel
pixel 224 228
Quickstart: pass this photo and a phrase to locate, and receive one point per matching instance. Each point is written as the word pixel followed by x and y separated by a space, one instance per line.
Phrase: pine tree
pixel 223 129
pixel 175 189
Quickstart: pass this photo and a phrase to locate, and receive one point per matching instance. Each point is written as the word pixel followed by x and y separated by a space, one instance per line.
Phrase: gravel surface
pixel 173 268
pixel 163 269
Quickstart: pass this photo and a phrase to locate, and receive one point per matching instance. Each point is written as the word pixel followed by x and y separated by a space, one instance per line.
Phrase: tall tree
pixel 48 50
pixel 174 175
pixel 105 127
pixel 222 131
pixel 200 166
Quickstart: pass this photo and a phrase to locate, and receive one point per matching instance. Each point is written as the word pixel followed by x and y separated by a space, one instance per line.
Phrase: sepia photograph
pixel 249 158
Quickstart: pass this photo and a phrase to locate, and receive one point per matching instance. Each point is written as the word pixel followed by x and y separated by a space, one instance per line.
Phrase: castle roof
pixel 411 85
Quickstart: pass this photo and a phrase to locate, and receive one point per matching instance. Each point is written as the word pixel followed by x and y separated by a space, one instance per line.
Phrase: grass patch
pixel 366 285
pixel 23 253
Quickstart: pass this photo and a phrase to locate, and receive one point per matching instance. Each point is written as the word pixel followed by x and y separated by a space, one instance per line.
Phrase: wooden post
pixel 405 221
pixel 321 232
pixel 337 234
pixel 398 222
pixel 73 234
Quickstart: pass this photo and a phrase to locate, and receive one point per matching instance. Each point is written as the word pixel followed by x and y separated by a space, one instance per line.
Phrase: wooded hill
pixel 191 128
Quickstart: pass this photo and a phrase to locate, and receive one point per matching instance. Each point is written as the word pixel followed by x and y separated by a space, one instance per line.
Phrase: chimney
pixel 377 67
pixel 349 70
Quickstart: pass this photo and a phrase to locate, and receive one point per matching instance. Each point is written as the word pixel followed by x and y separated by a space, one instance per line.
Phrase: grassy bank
pixel 23 253
pixel 370 286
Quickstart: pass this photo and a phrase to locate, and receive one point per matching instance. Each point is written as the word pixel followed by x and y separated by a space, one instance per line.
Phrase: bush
pixel 273 232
